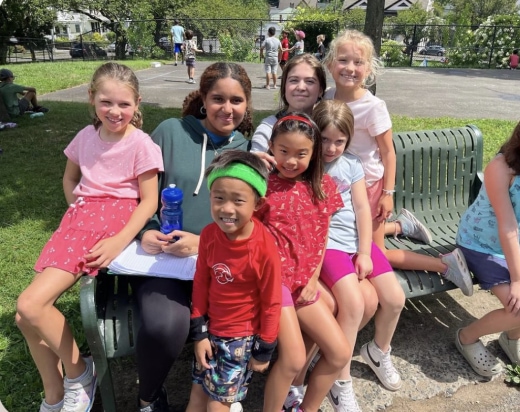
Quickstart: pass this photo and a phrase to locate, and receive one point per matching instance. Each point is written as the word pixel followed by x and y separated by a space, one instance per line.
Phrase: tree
pixel 475 12
pixel 24 18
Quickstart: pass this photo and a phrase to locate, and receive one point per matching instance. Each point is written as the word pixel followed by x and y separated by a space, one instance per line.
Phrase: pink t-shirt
pixel 299 225
pixel 111 168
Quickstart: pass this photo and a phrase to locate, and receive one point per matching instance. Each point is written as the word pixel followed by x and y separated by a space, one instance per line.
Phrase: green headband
pixel 242 172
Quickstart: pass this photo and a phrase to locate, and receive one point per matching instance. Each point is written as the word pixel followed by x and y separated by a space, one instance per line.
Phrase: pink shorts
pixel 338 264
pixel 88 221
pixel 289 299
pixel 374 194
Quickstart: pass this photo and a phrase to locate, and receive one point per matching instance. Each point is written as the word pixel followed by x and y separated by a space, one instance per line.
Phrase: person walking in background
pixel 177 39
pixel 237 288
pixel 110 182
pixel 9 92
pixel 513 60
pixel 488 237
pixel 284 55
pixel 270 51
pixel 320 54
pixel 190 48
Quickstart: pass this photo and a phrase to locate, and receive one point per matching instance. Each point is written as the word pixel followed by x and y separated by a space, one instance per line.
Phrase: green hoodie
pixel 182 142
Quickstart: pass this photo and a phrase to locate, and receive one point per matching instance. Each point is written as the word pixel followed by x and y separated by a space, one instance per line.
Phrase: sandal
pixel 511 347
pixel 266 87
pixel 479 358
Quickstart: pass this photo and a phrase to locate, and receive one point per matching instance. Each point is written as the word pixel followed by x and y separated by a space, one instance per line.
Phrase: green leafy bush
pixel 236 48
pixel 392 53
pixel 513 374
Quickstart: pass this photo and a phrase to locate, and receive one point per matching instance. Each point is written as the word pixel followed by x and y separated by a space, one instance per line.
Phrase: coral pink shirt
pixel 299 225
pixel 110 169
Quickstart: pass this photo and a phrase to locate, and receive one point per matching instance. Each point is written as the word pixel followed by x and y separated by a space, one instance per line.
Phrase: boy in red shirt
pixel 237 288
pixel 284 54
pixel 513 60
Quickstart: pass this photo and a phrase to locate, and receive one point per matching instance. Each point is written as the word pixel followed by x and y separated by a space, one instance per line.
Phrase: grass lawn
pixel 32 203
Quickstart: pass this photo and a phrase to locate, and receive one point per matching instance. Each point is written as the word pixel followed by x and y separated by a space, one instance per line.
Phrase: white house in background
pixel 70 25
pixel 391 6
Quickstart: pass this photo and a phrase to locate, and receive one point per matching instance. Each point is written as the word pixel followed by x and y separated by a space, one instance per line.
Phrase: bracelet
pixel 388 192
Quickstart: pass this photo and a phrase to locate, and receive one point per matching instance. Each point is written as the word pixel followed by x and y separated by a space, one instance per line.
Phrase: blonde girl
pixel 352 62
pixel 110 183
pixel 300 202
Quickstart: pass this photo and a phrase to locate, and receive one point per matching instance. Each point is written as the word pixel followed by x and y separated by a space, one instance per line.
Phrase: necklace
pixel 213 146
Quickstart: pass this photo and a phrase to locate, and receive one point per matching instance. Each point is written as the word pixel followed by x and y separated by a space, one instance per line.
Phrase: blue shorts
pixel 228 379
pixel 488 269
pixel 177 48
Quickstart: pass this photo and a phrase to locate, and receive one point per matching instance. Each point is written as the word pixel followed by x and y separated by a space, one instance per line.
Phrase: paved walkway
pixel 418 92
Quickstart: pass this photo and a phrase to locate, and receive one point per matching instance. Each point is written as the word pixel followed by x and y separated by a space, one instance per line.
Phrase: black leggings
pixel 165 324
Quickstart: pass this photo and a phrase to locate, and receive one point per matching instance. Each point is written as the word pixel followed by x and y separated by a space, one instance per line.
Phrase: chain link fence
pixel 240 40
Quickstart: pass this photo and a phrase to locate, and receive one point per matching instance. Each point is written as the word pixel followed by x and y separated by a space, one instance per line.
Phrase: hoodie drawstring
pixel 202 164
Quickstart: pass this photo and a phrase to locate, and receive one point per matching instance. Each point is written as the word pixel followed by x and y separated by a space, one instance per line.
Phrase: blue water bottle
pixel 171 210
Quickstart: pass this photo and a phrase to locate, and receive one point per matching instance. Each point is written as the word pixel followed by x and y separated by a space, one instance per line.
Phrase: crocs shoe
pixel 381 363
pixel 511 347
pixel 458 272
pixel 236 407
pixel 411 227
pixel 342 397
pixel 479 358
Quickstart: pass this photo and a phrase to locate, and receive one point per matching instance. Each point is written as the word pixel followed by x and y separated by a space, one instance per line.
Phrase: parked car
pixel 87 50
pixel 111 48
pixel 434 50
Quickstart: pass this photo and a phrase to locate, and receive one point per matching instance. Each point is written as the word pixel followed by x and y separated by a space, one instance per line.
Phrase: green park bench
pixel 438 175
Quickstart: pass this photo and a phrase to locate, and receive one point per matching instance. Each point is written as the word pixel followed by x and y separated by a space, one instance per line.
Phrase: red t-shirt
pixel 513 60
pixel 285 45
pixel 299 225
pixel 238 284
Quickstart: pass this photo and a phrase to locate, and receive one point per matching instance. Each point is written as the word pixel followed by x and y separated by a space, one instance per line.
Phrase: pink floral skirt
pixel 85 223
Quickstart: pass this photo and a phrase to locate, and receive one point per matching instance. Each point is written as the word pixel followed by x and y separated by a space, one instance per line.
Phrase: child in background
pixel 284 55
pixel 320 55
pixel 9 92
pixel 298 47
pixel 351 256
pixel 110 182
pixel 303 83
pixel 351 61
pixel 300 202
pixel 237 286
pixel 513 60
pixel 190 48
pixel 488 236
pixel 273 48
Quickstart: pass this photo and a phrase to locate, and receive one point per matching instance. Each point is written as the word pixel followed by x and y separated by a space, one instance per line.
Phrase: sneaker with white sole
pixel 294 398
pixel 342 397
pixel 236 407
pixel 160 404
pixel 381 364
pixel 45 407
pixel 314 361
pixel 411 227
pixel 458 272
pixel 79 396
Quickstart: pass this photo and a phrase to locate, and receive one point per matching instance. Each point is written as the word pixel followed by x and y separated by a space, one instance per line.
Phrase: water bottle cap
pixel 172 193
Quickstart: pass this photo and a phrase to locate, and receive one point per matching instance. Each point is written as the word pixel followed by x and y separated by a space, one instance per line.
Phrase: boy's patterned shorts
pixel 228 379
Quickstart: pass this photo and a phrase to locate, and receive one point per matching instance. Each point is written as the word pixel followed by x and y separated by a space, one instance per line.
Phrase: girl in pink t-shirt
pixel 300 202
pixel 110 183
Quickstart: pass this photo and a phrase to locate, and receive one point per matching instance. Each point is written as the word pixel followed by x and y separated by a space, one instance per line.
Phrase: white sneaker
pixel 79 396
pixel 458 271
pixel 294 397
pixel 45 407
pixel 236 407
pixel 412 227
pixel 381 364
pixel 342 397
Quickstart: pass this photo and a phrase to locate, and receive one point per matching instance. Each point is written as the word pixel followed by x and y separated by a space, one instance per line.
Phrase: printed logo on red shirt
pixel 222 273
